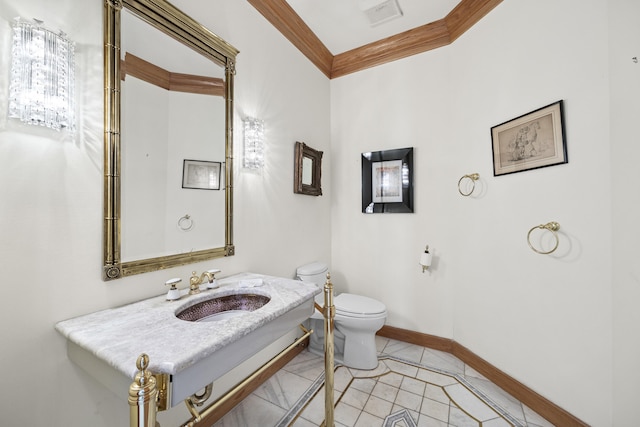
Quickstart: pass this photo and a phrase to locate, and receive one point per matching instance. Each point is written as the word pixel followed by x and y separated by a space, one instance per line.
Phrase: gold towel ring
pixel 185 223
pixel 553 227
pixel 473 177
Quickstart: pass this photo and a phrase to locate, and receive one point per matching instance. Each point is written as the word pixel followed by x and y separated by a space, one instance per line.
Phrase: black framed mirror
pixel 307 170
pixel 387 181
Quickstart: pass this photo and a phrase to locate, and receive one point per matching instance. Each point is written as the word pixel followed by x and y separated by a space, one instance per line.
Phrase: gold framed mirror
pixel 307 170
pixel 212 77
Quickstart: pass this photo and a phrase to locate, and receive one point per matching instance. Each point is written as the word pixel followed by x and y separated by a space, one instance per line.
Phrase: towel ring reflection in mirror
pixel 553 227
pixel 468 181
pixel 186 223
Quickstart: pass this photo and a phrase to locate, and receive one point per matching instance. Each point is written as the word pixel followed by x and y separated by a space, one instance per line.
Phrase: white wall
pixel 549 321
pixel 545 320
pixel 625 150
pixel 51 207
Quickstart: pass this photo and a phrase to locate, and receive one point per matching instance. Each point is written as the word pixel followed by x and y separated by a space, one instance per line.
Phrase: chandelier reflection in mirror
pixel 41 89
pixel 253 143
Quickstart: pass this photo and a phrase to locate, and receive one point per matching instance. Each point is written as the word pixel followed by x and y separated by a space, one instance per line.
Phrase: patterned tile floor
pixel 412 386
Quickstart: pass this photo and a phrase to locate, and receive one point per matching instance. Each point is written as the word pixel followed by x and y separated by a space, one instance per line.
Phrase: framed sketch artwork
pixel 531 141
pixel 201 175
pixel 387 181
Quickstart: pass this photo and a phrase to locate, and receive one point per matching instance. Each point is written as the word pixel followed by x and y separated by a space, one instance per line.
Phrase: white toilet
pixel 357 320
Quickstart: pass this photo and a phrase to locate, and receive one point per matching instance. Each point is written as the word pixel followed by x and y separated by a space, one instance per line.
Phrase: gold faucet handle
pixel 194 283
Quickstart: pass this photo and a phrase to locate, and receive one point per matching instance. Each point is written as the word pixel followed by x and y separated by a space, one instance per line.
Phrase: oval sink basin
pixel 223 307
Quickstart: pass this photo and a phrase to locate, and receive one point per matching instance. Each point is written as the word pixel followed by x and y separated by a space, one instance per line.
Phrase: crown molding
pixel 418 40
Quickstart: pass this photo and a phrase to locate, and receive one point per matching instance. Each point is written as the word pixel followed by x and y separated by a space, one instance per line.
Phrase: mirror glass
pixel 307 169
pixel 168 193
pixel 161 126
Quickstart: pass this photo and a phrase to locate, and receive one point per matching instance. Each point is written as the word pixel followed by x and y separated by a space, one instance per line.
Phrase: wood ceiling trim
pixel 412 42
pixel 146 71
pixel 287 21
pixel 418 40
pixel 466 14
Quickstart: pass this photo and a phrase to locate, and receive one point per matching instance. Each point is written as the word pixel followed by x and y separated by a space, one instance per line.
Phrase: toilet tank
pixel 316 272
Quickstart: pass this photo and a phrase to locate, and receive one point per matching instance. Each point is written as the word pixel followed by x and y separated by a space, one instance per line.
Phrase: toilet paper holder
pixel 425 259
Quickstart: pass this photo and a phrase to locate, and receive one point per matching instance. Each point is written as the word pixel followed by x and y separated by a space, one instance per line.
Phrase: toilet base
pixel 360 355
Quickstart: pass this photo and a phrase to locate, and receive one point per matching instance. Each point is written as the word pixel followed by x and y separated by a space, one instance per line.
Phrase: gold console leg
pixel 143 395
pixel 329 313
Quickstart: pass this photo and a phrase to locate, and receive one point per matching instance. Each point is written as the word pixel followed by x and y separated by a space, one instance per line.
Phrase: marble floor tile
pixel 306 364
pixel 427 421
pixel 500 397
pixel 402 350
pixel 252 411
pixel 409 400
pixel 402 368
pixel 367 420
pixel 464 398
pixel 301 422
pixel 385 391
pixel 534 419
pixel 378 406
pixel 442 360
pixel 435 378
pixel 412 386
pixel 459 418
pixel 283 389
pixel 355 397
pixel 434 409
pixel 346 414
pixel 364 384
pixel 392 378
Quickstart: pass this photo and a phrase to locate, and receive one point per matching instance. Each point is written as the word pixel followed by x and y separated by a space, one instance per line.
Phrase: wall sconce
pixel 41 88
pixel 425 259
pixel 253 143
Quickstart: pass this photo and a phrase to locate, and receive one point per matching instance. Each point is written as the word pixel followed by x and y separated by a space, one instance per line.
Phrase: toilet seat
pixel 350 305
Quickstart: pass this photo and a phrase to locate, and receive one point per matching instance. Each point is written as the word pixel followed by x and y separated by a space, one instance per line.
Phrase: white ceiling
pixel 341 25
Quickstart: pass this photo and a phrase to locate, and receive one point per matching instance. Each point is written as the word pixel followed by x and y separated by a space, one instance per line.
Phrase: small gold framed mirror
pixel 307 170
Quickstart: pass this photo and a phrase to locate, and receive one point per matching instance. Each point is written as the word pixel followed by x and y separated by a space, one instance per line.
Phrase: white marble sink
pixel 107 343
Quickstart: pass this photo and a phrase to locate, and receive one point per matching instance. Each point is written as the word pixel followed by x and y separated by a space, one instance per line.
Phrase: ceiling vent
pixel 378 12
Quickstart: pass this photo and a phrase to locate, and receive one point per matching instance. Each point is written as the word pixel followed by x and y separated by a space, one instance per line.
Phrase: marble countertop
pixel 119 335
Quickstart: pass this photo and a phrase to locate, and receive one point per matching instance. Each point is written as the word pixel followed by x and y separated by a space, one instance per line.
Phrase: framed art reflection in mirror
pixel 387 181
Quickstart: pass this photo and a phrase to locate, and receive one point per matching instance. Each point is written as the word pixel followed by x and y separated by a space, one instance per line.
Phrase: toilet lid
pixel 351 304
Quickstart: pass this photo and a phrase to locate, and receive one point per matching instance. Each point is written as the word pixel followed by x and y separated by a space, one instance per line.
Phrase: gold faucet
pixel 195 281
